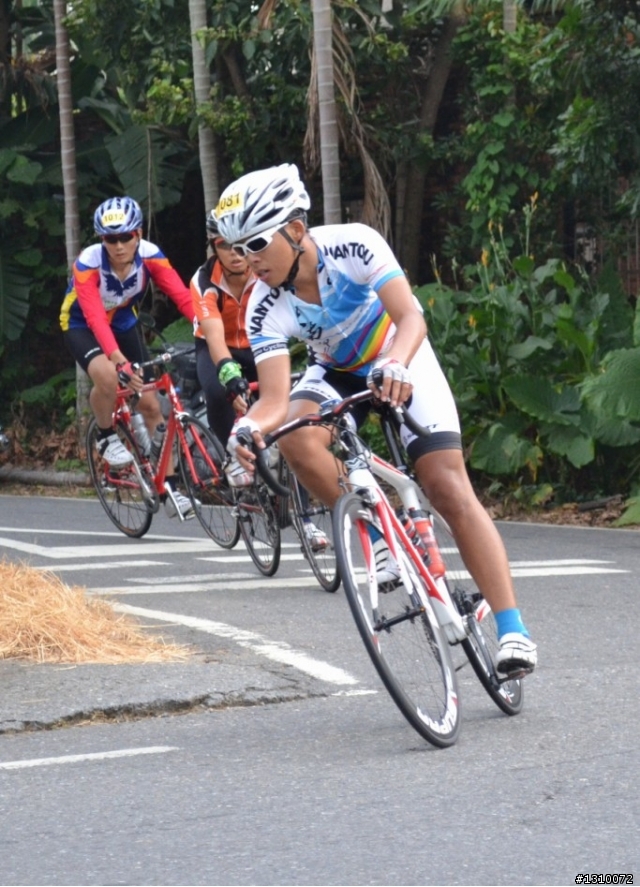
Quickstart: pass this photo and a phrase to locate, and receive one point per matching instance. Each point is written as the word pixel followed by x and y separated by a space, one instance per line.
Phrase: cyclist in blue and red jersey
pixel 99 318
pixel 340 289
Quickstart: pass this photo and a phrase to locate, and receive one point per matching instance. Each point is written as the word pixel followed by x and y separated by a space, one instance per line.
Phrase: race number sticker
pixel 113 217
pixel 228 203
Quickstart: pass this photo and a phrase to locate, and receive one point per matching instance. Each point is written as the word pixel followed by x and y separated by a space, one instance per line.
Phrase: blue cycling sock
pixel 374 534
pixel 510 621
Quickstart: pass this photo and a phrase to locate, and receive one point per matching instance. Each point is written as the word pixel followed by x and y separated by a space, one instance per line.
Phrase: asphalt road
pixel 275 757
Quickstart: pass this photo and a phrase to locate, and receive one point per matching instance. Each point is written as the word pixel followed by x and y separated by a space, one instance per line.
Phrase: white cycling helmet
pixel 261 200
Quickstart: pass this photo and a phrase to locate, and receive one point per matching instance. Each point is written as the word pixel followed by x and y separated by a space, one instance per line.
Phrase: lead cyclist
pixel 340 289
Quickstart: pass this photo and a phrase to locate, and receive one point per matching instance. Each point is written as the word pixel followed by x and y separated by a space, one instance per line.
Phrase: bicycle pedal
pixel 515 674
pixel 386 587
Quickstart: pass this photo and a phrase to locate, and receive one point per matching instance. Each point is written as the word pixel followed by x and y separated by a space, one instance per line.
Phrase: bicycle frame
pixel 408 491
pixel 363 468
pixel 174 426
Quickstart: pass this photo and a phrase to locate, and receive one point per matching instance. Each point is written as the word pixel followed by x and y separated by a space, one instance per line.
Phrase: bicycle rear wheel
pixel 322 560
pixel 398 627
pixel 206 484
pixel 128 495
pixel 258 520
pixel 481 645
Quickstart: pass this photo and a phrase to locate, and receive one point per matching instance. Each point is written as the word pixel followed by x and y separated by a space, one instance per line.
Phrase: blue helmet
pixel 117 215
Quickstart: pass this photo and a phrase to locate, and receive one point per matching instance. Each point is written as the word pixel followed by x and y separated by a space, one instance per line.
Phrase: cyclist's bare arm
pixel 270 410
pixel 399 302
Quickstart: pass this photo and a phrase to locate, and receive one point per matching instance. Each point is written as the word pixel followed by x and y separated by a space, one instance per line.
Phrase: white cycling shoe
pixel 517 653
pixel 178 504
pixel 317 539
pixel 113 451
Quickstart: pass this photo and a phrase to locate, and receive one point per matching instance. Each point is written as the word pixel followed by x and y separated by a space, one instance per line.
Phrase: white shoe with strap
pixel 113 451
pixel 178 504
pixel 517 653
pixel 316 537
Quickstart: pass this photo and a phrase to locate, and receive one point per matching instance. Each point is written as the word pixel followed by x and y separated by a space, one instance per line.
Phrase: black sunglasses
pixel 118 238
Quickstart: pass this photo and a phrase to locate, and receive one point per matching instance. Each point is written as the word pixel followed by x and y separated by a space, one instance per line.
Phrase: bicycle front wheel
pixel 200 464
pixel 398 627
pixel 319 551
pixel 481 645
pixel 258 519
pixel 128 495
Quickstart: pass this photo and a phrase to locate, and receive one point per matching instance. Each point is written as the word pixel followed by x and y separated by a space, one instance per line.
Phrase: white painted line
pixel 107 565
pixel 115 534
pixel 245 558
pixel 564 571
pixel 198 577
pixel 276 651
pixel 263 583
pixel 94 756
pixel 142 546
pixel 562 562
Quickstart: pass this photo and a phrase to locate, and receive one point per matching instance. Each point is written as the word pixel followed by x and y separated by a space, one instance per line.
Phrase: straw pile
pixel 44 620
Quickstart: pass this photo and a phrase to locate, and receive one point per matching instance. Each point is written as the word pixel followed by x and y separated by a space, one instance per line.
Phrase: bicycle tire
pixel 259 527
pixel 400 631
pixel 128 495
pixel 206 484
pixel 323 561
pixel 481 644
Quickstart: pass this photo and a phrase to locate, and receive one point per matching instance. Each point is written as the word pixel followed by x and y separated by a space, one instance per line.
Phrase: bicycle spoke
pixel 321 558
pixel 127 495
pixel 200 460
pixel 399 629
pixel 481 645
pixel 259 527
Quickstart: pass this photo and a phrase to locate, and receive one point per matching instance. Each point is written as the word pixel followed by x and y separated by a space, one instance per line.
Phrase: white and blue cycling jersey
pixel 351 327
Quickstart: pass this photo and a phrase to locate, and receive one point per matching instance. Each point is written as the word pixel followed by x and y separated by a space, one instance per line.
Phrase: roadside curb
pixel 46 477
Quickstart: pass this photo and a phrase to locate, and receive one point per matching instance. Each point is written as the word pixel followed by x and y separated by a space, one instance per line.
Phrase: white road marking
pixel 93 756
pixel 199 577
pixel 144 546
pixel 107 565
pixel 276 651
pixel 173 546
pixel 211 585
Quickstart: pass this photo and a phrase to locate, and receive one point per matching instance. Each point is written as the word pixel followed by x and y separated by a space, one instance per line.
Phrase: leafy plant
pixel 524 346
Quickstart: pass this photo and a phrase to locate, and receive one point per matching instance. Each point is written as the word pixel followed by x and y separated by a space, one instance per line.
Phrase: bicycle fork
pixel 453 624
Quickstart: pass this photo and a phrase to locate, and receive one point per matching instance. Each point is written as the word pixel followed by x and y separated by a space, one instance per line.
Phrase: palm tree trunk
pixel 69 182
pixel 329 146
pixel 202 89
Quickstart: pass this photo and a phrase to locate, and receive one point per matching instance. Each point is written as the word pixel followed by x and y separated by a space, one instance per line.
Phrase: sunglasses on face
pixel 256 244
pixel 222 244
pixel 119 238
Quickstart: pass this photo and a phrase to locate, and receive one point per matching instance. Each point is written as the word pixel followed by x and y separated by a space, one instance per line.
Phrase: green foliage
pixel 50 404
pixel 526 348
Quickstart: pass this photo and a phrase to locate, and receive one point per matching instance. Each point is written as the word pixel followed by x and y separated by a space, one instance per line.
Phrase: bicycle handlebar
pixel 328 413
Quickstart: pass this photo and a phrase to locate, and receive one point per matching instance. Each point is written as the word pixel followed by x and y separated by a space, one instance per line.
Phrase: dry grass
pixel 44 620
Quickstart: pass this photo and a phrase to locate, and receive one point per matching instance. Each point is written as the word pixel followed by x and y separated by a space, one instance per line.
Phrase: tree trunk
pixel 329 146
pixel 417 173
pixel 202 88
pixel 69 182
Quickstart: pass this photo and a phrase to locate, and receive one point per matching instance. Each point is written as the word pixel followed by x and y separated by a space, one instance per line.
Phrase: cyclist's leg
pixel 84 347
pixel 306 450
pixel 440 468
pixel 220 413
